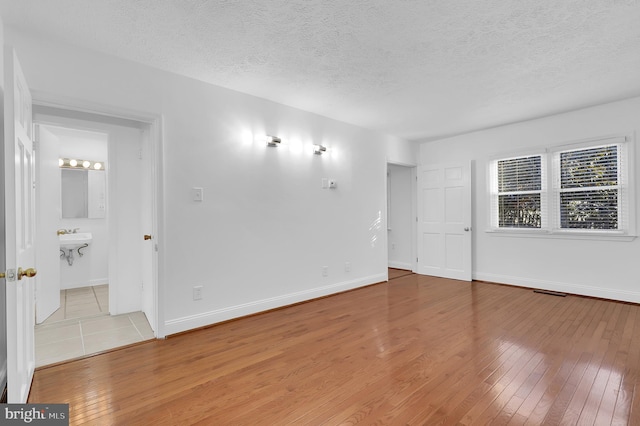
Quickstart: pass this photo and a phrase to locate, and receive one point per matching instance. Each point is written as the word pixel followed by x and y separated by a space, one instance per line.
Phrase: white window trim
pixel 549 194
pixel 492 184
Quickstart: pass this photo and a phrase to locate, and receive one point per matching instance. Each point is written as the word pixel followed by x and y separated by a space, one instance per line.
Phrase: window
pixel 590 190
pixel 520 192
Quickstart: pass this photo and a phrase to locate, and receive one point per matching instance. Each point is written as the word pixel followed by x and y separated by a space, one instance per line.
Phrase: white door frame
pixel 155 123
pixel 414 209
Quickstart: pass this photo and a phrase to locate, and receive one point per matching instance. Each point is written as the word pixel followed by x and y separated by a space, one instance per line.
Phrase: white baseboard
pixel 219 315
pixel 583 290
pixel 400 265
pixel 90 283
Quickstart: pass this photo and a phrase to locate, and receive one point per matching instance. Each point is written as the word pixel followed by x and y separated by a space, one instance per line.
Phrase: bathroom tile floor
pixel 83 326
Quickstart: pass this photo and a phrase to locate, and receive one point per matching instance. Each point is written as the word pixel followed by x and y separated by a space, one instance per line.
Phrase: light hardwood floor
pixel 416 350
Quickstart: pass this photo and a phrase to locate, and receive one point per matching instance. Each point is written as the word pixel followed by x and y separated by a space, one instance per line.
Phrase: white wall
pixel 400 229
pixel 589 267
pixel 266 227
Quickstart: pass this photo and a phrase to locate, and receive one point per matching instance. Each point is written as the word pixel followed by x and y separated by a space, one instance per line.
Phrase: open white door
pixel 444 221
pixel 48 248
pixel 149 241
pixel 20 231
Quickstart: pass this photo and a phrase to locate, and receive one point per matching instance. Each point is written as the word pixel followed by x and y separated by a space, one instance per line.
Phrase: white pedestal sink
pixel 73 241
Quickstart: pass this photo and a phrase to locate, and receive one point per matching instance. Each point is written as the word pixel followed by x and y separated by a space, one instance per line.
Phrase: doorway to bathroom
pixel 91 181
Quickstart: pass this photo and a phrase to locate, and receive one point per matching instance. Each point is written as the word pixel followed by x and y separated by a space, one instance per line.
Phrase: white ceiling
pixel 418 69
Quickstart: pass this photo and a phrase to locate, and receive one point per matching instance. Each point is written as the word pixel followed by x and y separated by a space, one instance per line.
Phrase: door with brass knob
pixel 20 227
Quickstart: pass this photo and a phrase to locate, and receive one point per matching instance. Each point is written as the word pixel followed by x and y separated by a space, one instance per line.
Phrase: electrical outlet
pixel 197 193
pixel 347 266
pixel 325 271
pixel 197 292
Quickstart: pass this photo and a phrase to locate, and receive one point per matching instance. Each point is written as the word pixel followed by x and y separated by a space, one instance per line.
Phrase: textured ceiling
pixel 419 69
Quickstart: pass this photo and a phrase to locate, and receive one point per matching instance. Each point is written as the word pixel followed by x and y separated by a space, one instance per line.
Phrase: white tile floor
pixel 83 326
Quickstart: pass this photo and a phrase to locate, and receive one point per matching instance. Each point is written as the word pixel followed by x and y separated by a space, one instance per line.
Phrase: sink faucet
pixel 68 231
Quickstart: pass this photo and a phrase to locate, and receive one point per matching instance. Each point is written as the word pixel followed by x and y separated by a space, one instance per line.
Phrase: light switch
pixel 198 194
pixel 325 183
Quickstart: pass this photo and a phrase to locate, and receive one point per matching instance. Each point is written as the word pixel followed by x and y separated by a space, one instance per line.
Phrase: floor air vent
pixel 552 293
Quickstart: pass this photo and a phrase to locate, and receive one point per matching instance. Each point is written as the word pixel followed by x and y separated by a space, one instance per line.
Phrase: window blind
pixel 589 188
pixel 519 197
pixel 520 174
pixel 582 188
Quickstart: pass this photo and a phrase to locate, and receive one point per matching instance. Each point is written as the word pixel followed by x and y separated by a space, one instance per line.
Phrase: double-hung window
pixel 519 192
pixel 585 192
pixel 588 188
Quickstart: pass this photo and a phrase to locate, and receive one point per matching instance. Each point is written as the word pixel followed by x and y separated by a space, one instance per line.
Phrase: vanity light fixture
pixel 319 149
pixel 273 140
pixel 71 163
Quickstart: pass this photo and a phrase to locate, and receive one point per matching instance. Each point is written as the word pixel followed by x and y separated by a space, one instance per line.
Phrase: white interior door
pixel 48 247
pixel 149 234
pixel 444 221
pixel 20 231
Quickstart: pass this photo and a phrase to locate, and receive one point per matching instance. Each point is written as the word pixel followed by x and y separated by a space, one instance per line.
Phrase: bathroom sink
pixel 78 239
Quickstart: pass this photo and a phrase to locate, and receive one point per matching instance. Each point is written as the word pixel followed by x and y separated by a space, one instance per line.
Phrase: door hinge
pixel 416 260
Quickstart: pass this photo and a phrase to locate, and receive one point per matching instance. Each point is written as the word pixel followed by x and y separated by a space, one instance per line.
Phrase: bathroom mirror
pixel 83 193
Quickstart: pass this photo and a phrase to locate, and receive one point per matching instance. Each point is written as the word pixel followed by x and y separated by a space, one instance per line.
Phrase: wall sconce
pixel 273 140
pixel 72 163
pixel 319 149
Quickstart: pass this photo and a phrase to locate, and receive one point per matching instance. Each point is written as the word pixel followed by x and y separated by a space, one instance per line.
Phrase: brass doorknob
pixel 147 237
pixel 31 272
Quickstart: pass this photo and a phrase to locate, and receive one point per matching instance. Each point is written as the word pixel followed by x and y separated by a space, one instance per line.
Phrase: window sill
pixel 562 235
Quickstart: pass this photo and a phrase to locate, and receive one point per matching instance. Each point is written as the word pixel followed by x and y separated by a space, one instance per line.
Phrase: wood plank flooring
pixel 397 273
pixel 416 350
